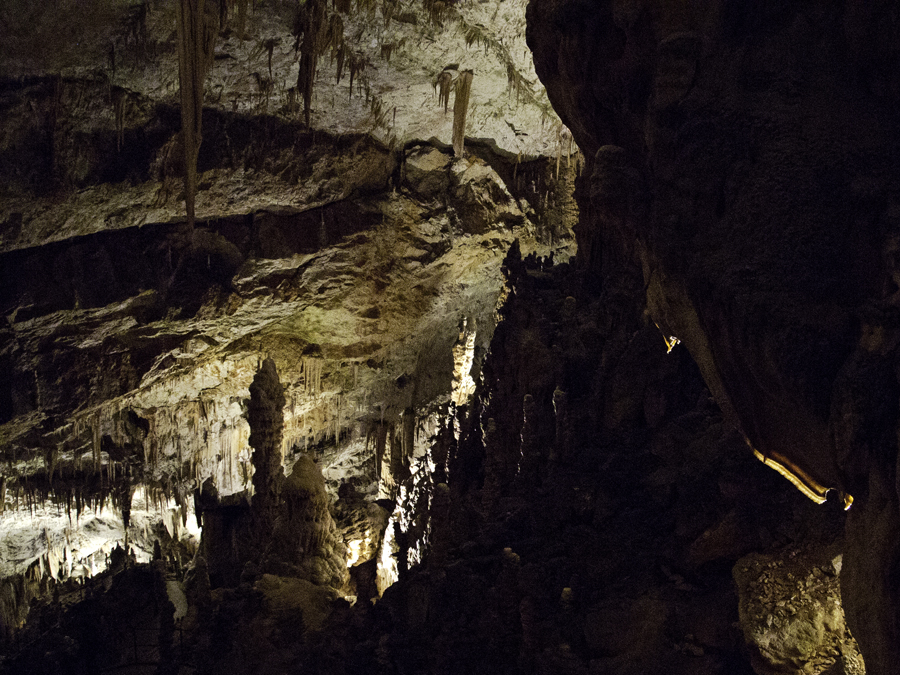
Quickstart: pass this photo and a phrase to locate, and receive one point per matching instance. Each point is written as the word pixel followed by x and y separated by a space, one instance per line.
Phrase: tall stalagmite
pixel 265 413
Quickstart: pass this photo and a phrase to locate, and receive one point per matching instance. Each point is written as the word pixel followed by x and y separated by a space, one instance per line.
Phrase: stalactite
pixel 197 28
pixel 408 436
pixel 95 440
pixel 443 84
pixel 311 41
pixel 52 124
pixel 265 47
pixel 460 106
pixel 380 444
pixel 119 101
pixel 396 458
pixel 357 64
pixel 242 18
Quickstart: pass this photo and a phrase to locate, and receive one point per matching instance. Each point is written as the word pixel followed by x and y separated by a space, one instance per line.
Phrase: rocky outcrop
pixel 744 155
pixel 130 350
pixel 319 334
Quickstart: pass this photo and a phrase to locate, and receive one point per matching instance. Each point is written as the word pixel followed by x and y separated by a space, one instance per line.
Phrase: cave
pixel 453 337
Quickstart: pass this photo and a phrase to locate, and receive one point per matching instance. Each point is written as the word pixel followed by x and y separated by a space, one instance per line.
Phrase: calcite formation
pixel 345 241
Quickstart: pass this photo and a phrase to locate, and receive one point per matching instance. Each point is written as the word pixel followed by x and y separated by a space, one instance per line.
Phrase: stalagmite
pixel 440 526
pixel 563 425
pixel 266 417
pixel 528 476
pixel 493 470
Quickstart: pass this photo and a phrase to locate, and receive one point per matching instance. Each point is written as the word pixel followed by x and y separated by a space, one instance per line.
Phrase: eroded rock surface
pixel 584 511
pixel 337 235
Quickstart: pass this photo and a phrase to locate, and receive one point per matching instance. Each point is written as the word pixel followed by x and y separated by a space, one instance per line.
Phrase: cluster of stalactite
pixel 393 445
pixel 54 576
pixel 175 447
pixel 71 491
pixel 311 422
pixel 16 595
pixel 409 462
pixel 319 30
pixel 170 450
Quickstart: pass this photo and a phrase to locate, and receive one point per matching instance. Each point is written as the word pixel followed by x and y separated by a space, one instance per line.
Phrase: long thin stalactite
pixel 197 28
pixel 460 106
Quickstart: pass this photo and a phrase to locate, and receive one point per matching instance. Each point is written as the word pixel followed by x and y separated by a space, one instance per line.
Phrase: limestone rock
pixel 285 596
pixel 746 248
pixel 426 171
pixel 790 612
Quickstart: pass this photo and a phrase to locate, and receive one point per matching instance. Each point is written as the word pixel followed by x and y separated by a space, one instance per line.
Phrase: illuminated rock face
pixel 358 253
pixel 745 155
pixel 365 264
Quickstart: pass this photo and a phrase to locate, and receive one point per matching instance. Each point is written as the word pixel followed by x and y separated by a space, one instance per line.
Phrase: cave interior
pixel 449 337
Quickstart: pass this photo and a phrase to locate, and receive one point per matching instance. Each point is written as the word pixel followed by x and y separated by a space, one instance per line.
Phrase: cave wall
pixel 745 155
pixel 367 265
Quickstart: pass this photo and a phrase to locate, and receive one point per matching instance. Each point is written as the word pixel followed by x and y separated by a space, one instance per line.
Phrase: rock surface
pixel 790 612
pixel 129 342
pixel 746 157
